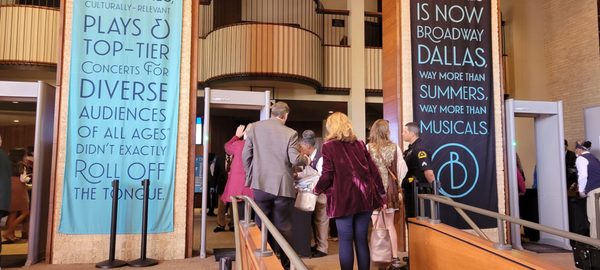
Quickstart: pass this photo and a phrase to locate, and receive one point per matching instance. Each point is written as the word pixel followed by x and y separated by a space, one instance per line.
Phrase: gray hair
pixel 280 109
pixel 414 128
pixel 309 138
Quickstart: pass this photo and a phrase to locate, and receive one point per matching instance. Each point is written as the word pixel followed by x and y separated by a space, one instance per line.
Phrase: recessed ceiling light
pixel 15 102
pixel 16 121
pixel 330 112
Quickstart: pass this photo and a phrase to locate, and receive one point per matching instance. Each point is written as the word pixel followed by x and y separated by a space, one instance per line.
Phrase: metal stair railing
pixel 266 227
pixel 501 244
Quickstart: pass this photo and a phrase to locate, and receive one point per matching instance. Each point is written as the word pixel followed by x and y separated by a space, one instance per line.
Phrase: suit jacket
pixel 270 151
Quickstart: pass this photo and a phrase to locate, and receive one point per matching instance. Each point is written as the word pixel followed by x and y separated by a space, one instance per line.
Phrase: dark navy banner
pixel 453 100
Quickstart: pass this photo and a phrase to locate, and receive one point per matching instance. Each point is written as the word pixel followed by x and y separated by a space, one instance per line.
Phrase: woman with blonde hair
pixel 390 163
pixel 353 187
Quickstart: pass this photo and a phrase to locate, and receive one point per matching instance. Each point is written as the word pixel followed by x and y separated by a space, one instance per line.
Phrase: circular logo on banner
pixel 459 164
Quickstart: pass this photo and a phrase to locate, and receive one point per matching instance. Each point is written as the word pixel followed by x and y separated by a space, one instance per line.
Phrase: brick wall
pixel 572 54
pixel 569 66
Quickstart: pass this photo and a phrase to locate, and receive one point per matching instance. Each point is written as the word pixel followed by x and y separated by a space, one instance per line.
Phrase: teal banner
pixel 123 111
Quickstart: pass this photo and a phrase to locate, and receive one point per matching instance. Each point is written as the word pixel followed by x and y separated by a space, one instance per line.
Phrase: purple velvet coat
pixel 350 179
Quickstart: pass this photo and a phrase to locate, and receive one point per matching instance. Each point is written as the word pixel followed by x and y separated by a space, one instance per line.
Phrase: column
pixel 356 101
pixel 392 67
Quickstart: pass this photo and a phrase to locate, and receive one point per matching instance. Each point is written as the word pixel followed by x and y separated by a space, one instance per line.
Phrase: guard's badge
pixel 422 154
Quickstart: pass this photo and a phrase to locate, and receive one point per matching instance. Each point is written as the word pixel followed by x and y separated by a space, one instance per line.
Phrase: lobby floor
pixel 226 240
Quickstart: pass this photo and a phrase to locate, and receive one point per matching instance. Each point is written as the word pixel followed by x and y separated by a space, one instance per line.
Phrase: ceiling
pixel 23 112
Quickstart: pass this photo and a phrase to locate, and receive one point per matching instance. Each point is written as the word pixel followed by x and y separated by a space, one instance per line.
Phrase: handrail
pixel 501 217
pixel 236 235
pixel 266 226
pixel 469 221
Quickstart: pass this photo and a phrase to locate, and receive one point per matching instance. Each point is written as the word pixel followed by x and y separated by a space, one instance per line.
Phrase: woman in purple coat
pixel 353 186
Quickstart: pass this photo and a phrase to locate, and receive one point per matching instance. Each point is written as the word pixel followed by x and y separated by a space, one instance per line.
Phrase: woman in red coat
pixel 237 174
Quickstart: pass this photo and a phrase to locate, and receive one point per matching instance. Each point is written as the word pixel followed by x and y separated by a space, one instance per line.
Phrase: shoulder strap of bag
pixel 394 161
pixel 394 164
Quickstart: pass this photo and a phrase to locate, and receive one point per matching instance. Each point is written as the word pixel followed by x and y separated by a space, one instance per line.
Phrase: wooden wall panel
pixel 436 246
pixel 262 49
pixel 16 136
pixel 373 68
pixel 334 35
pixel 29 34
pixel 206 19
pixel 392 61
pixel 300 13
pixel 336 67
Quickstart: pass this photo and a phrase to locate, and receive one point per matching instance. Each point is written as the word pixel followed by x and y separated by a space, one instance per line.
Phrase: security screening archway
pixel 227 99
pixel 550 156
pixel 44 95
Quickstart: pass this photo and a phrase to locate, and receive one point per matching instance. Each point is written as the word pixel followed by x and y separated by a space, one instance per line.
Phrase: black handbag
pixel 586 257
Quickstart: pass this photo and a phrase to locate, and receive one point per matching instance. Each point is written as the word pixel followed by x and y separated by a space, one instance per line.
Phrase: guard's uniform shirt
pixel 418 161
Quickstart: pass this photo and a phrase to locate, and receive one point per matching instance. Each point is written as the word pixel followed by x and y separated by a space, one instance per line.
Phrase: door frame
pixel 553 211
pixel 227 99
pixel 45 97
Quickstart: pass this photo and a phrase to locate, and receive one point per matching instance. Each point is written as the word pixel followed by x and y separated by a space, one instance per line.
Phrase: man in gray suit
pixel 269 155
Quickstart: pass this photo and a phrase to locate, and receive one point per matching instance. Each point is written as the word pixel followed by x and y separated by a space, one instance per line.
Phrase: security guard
pixel 419 167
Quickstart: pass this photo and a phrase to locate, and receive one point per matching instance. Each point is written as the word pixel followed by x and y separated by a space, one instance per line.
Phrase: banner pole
pixel 143 261
pixel 111 262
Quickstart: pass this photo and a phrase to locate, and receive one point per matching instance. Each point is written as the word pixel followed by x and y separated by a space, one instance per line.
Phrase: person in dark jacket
pixel 571 168
pixel 353 186
pixel 212 189
pixel 420 172
pixel 220 173
pixel 5 184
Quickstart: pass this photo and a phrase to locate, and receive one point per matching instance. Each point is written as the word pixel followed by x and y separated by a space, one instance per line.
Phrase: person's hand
pixel 303 150
pixel 239 132
pixel 582 194
pixel 24 178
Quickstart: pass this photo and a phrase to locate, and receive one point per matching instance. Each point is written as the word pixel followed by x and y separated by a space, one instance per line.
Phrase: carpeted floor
pixel 543 248
pixel 185 264
pixel 8 261
pixel 226 240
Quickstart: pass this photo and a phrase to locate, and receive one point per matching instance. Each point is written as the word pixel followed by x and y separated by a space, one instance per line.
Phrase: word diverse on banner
pixel 453 99
pixel 122 114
